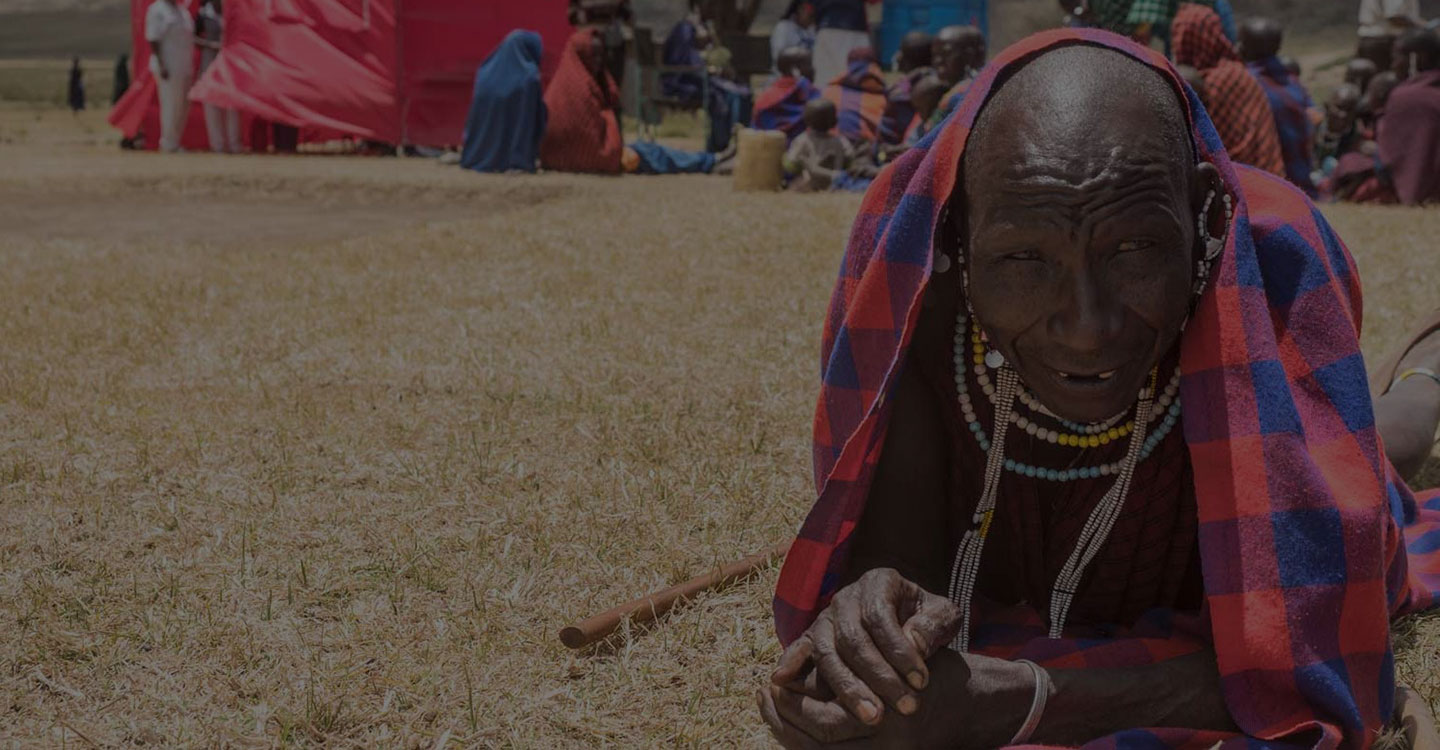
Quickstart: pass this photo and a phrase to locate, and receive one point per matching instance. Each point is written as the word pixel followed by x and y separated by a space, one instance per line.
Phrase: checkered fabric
pixel 1112 15
pixel 1155 12
pixel 781 106
pixel 900 114
pixel 1234 99
pixel 1300 514
pixel 859 97
pixel 1290 105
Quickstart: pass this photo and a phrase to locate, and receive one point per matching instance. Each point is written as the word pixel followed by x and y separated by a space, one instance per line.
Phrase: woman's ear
pixel 1206 182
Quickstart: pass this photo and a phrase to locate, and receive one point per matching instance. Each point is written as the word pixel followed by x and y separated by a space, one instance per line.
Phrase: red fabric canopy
pixel 398 71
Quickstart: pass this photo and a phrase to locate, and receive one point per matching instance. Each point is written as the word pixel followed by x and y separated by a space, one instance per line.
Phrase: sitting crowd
pixel 1376 139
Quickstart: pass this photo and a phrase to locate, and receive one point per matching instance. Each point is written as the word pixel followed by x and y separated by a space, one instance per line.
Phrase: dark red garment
pixel 1410 139
pixel 582 135
pixel 1235 100
pixel 398 71
pixel 1151 558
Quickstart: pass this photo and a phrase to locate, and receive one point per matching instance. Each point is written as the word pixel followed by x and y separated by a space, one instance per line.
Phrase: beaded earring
pixel 1214 246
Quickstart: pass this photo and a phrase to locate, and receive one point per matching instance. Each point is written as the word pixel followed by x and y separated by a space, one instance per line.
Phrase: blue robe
pixel 507 110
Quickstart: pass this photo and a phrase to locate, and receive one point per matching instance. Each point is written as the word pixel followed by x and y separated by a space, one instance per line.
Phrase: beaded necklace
pixel 1005 394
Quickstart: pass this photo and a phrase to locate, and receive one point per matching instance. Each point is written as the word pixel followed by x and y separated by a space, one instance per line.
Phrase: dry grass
pixel 339 479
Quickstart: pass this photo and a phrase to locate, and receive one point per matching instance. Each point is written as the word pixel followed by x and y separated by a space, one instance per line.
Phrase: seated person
pixel 913 63
pixel 819 159
pixel 1339 133
pixel 583 134
pixel 1377 95
pixel 959 54
pixel 781 106
pixel 925 96
pixel 1236 102
pixel 685 47
pixel 507 109
pixel 727 102
pixel 1149 507
pixel 1405 167
pixel 1290 103
pixel 859 96
pixel 1359 71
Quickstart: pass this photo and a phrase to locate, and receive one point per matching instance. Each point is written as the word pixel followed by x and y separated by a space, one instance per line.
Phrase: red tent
pixel 398 71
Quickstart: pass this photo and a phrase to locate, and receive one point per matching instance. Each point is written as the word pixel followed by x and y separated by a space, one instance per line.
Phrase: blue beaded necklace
pixel 1167 422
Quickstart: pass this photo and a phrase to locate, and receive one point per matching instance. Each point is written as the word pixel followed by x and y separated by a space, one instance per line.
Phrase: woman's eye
pixel 1131 246
pixel 1022 255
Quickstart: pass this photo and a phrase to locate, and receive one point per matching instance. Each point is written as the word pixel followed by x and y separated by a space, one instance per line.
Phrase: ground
pixel 327 450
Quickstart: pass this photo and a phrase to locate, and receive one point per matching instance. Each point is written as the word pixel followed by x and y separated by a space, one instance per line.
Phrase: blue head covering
pixel 507 110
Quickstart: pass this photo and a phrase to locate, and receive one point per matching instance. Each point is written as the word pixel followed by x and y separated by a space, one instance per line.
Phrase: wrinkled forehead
pixel 1079 118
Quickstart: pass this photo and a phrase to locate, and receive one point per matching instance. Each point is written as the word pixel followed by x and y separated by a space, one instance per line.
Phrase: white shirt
pixel 171 26
pixel 1375 15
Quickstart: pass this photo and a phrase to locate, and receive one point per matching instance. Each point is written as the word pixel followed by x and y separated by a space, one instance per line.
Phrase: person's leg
pixel 215 128
pixel 1408 413
pixel 170 100
pixel 232 132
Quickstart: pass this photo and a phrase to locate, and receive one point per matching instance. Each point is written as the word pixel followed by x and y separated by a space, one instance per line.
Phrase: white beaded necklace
pixel 966 567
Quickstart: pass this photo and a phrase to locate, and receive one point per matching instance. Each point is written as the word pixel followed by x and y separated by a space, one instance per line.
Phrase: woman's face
pixel 1080 245
pixel 805 15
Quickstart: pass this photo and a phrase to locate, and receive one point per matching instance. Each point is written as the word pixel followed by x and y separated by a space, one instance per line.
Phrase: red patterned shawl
pixel 582 135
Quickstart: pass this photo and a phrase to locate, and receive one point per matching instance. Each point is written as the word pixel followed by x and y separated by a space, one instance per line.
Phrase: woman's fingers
pixel 823 721
pixel 856 620
pixel 795 662
pixel 850 691
pixel 934 624
pixel 787 735
pixel 882 616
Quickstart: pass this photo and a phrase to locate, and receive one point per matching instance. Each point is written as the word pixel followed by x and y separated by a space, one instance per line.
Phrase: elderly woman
pixel 1096 456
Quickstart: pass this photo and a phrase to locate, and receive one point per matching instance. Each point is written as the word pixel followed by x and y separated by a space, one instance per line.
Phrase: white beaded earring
pixel 1214 246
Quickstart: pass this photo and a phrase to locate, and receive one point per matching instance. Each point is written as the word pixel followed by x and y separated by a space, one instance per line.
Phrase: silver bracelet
pixel 1037 703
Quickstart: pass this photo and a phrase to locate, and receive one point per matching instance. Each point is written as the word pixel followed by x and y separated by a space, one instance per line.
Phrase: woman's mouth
pixel 1078 378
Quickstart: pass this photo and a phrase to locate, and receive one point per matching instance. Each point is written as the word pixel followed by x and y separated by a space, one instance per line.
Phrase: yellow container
pixel 757 162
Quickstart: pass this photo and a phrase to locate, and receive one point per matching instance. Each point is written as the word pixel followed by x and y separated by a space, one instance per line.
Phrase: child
pixel 817 159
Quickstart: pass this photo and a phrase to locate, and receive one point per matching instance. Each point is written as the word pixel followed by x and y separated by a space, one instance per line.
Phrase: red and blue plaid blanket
pixel 1300 514
pixel 859 97
pixel 781 106
pixel 1291 105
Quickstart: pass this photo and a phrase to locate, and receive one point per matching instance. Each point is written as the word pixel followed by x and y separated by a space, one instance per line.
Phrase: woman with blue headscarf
pixel 507 111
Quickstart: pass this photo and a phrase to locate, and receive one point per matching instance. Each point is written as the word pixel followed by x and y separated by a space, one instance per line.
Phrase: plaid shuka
pixel 781 106
pixel 1234 99
pixel 1300 514
pixel 900 116
pixel 1290 104
pixel 859 98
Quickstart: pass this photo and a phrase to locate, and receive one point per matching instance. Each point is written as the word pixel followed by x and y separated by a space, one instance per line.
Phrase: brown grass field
pixel 325 450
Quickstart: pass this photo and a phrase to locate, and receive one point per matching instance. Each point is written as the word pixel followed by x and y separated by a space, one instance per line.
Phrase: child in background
pixel 817 159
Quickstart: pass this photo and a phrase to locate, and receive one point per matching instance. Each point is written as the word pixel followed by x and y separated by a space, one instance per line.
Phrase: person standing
pixel 122 78
pixel 794 29
pixel 169 30
pixel 76 94
pixel 843 28
pixel 1381 23
pixel 221 125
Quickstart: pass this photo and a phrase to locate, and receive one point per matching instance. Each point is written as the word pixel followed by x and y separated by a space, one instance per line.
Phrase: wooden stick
pixel 652 606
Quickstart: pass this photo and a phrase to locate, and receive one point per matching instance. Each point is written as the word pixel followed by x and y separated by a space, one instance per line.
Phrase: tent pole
pixel 401 90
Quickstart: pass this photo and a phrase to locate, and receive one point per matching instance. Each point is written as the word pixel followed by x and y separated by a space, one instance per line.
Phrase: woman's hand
pixel 870 645
pixel 970 702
